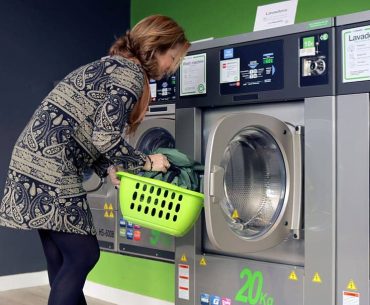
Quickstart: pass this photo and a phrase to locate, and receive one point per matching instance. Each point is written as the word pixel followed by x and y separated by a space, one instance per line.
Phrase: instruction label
pixel 351 298
pixel 183 281
pixel 193 75
pixel 356 54
pixel 230 70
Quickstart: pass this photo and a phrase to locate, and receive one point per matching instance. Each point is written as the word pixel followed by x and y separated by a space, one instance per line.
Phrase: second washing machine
pixel 157 130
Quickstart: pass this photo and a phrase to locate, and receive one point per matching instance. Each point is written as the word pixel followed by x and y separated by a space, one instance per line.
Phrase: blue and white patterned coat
pixel 78 125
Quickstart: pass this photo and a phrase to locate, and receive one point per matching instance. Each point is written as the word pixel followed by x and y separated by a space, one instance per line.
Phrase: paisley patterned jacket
pixel 79 125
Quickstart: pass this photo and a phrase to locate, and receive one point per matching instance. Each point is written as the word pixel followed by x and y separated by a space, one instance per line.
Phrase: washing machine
pixel 353 87
pixel 157 130
pixel 114 233
pixel 259 110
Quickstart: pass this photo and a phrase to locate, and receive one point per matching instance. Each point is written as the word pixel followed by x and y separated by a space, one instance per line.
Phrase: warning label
pixel 351 298
pixel 316 278
pixel 183 282
pixel 293 276
pixel 351 285
pixel 203 262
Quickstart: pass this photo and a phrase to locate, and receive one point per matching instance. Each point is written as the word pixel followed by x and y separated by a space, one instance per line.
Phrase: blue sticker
pixel 215 300
pixel 204 299
pixel 130 224
pixel 228 53
pixel 130 234
pixel 122 223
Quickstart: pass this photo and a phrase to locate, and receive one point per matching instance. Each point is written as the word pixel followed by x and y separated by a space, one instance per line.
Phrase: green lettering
pixel 240 297
pixel 256 277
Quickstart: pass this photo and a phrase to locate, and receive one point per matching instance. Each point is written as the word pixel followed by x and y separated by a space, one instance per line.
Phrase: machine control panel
pixel 143 242
pixel 314 53
pixel 251 68
pixel 163 91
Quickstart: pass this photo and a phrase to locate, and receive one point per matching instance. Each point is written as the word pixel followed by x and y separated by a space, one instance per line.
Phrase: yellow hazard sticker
pixel 235 214
pixel 203 262
pixel 183 258
pixel 111 207
pixel 106 214
pixel 316 278
pixel 105 206
pixel 111 214
pixel 351 285
pixel 293 276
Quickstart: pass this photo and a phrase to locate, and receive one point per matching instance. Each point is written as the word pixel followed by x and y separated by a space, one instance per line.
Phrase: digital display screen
pixel 251 68
pixel 163 90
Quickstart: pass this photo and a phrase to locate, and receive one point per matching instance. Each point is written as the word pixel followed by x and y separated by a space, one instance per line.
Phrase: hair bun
pixel 128 44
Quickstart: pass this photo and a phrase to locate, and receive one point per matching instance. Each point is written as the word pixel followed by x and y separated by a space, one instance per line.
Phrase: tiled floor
pixel 35 296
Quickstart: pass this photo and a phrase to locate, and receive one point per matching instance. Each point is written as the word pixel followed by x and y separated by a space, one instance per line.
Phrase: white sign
pixel 356 54
pixel 276 14
pixel 183 282
pixel 351 298
pixel 230 70
pixel 153 90
pixel 193 75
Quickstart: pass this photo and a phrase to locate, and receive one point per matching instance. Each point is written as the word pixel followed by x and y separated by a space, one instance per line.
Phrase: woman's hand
pixel 112 175
pixel 156 163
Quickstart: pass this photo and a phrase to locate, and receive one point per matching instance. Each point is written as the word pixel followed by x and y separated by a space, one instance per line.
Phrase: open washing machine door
pixel 154 133
pixel 253 182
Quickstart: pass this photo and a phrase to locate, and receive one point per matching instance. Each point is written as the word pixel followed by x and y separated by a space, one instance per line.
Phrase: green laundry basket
pixel 158 205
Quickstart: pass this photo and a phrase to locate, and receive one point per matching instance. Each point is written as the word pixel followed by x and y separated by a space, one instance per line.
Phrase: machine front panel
pixel 139 241
pixel 240 282
pixel 106 228
pixel 103 203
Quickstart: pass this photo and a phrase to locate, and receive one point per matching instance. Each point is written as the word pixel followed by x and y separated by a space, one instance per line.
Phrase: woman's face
pixel 167 60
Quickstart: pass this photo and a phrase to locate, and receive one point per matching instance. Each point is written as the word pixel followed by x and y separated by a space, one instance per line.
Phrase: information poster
pixel 275 15
pixel 193 75
pixel 356 54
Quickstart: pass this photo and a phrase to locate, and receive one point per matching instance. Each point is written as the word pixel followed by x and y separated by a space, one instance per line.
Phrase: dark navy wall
pixel 40 42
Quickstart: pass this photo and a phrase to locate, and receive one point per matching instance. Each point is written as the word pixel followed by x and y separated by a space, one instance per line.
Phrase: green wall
pixel 200 19
pixel 216 18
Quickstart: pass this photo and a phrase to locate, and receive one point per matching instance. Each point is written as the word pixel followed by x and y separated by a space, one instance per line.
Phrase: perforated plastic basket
pixel 158 205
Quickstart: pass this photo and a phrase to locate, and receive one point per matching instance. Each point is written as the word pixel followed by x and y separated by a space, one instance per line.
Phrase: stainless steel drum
pixel 254 182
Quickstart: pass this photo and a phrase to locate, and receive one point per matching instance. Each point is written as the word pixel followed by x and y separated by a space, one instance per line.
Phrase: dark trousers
pixel 69 257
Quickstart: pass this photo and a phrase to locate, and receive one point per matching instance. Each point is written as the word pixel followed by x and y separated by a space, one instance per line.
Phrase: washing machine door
pixel 252 182
pixel 154 133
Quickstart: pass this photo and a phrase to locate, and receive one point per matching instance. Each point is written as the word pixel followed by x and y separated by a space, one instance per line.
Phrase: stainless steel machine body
pixel 353 87
pixel 265 130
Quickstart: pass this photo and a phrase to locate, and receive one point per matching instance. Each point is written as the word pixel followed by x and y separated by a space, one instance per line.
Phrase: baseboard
pixel 91 289
pixel 119 297
pixel 23 280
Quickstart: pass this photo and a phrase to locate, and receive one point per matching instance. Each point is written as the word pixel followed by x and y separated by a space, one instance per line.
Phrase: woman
pixel 80 125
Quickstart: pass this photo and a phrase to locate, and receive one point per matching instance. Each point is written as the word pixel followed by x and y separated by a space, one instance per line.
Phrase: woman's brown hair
pixel 153 34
